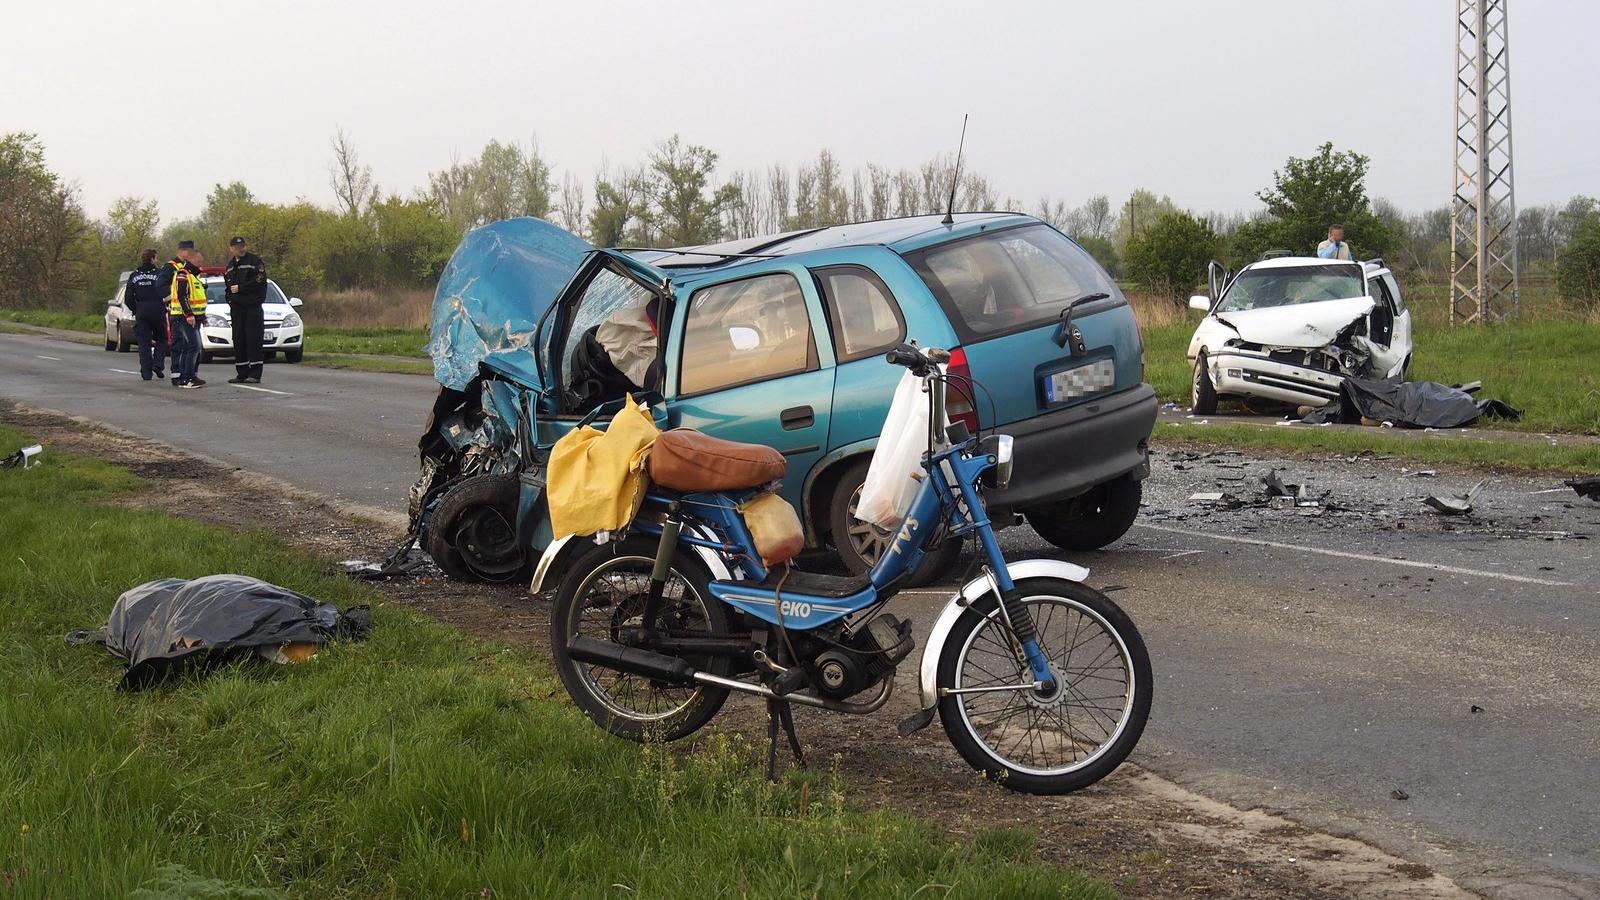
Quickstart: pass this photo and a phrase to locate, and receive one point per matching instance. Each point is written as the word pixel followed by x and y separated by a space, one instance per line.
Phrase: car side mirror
pixel 295 301
pixel 1200 302
pixel 744 337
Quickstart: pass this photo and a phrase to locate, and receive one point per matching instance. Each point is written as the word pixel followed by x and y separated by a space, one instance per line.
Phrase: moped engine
pixel 864 659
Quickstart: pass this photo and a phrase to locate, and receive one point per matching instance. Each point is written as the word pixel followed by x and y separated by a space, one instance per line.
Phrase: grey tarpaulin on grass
pixel 161 627
pixel 1408 404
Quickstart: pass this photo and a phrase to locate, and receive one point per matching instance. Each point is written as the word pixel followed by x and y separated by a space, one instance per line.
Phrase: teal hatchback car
pixel 779 340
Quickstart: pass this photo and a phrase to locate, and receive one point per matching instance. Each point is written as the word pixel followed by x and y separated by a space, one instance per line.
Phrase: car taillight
pixel 957 402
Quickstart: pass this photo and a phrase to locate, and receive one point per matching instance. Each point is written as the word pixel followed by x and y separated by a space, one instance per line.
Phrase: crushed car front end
pixel 1292 331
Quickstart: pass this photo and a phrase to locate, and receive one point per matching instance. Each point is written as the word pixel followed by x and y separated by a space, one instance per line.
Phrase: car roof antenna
pixel 955 177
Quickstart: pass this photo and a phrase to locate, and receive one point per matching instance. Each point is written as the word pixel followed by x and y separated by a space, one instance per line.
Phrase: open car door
pixel 601 340
pixel 1217 278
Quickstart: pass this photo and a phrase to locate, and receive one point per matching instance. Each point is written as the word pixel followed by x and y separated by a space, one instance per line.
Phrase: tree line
pixel 53 254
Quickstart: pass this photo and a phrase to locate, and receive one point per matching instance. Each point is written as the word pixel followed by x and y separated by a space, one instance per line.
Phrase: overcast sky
pixel 1069 98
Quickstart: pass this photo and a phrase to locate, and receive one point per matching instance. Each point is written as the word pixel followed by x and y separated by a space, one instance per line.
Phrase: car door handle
pixel 797 417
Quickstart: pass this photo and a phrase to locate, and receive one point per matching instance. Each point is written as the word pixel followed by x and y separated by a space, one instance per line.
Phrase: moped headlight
pixel 998 446
pixel 1002 467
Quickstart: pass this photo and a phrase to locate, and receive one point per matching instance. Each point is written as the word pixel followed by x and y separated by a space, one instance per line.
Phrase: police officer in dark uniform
pixel 246 278
pixel 147 297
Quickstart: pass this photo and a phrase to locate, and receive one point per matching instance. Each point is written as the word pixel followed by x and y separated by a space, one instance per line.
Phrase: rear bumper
pixel 1242 373
pixel 1062 454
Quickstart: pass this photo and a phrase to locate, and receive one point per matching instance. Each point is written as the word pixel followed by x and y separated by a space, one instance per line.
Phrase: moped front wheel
pixel 1046 741
pixel 603 598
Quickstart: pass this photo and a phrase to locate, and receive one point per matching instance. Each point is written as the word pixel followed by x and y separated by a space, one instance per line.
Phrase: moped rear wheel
pixel 1046 742
pixel 602 598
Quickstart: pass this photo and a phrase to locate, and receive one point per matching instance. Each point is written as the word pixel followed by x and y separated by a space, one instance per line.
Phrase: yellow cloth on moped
pixel 596 479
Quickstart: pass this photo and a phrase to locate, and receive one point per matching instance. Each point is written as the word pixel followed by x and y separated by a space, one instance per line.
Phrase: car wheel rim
pixel 487 543
pixel 866 539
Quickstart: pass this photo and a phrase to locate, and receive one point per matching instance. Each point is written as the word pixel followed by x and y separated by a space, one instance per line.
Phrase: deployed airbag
pixel 163 627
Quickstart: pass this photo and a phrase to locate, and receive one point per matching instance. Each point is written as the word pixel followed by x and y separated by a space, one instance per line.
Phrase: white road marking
pixel 122 371
pixel 1323 551
pixel 51 358
pixel 251 387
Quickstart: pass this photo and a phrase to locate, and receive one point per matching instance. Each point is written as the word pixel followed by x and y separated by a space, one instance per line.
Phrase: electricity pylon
pixel 1483 220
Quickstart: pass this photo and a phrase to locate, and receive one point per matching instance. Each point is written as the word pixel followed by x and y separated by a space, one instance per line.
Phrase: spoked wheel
pixel 1056 741
pixel 602 598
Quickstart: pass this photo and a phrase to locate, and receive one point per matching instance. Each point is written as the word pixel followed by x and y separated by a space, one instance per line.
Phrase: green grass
pixel 1549 371
pixel 91 322
pixel 360 363
pixel 1530 456
pixel 373 341
pixel 418 763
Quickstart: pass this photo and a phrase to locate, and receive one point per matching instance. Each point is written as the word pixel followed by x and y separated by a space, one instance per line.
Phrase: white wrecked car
pixel 1290 329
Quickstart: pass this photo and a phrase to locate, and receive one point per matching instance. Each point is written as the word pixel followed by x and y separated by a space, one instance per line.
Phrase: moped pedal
pixel 917 721
pixel 789 682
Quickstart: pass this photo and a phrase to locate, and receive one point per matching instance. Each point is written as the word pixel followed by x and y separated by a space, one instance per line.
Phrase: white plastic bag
pixel 895 473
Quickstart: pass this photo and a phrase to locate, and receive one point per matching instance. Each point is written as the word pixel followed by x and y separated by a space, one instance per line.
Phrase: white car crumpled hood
pixel 1303 325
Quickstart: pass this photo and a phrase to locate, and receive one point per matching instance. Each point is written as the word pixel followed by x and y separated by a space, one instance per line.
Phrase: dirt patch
pixel 1145 835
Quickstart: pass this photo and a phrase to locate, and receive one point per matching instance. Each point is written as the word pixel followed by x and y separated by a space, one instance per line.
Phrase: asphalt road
pixel 1324 661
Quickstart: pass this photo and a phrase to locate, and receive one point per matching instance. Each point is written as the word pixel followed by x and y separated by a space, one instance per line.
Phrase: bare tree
pixel 351 181
pixel 570 205
pixel 1098 220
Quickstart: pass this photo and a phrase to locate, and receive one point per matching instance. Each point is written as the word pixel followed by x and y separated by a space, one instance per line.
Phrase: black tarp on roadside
pixel 162 627
pixel 1407 404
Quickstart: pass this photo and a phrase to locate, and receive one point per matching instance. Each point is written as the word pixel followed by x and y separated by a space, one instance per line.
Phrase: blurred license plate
pixel 1080 382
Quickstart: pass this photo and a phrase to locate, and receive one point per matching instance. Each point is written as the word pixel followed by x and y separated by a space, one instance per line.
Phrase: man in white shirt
pixel 1334 247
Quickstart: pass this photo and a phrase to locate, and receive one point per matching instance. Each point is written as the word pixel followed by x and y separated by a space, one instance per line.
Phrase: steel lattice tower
pixel 1483 222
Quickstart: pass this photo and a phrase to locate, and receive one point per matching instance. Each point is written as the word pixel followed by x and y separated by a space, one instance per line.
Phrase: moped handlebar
pixel 918 360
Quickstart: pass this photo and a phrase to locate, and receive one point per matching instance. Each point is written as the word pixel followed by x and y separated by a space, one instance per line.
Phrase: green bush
pixel 1578 266
pixel 1169 258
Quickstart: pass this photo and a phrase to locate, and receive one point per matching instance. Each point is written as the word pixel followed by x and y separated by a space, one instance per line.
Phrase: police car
pixel 285 331
pixel 119 318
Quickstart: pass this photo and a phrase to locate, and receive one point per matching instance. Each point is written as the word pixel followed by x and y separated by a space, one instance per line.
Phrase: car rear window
pixel 1010 280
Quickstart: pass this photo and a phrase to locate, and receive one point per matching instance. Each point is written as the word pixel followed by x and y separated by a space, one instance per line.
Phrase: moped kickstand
pixel 779 712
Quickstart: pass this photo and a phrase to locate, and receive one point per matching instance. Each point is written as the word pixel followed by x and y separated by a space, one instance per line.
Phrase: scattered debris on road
pixel 1454 504
pixel 405 561
pixel 1399 794
pixel 1287 495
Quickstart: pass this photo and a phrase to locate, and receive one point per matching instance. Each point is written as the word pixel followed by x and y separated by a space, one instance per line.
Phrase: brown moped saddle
pixel 686 460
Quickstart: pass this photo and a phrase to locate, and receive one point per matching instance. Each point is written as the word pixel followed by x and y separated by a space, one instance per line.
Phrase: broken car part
pixel 1453 504
pixel 22 459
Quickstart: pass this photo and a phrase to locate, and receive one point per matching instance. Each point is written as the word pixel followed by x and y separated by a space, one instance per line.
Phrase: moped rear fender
pixel 563 549
pixel 969 594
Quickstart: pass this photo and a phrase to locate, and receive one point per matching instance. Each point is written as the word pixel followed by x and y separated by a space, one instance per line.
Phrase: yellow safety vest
pixel 197 292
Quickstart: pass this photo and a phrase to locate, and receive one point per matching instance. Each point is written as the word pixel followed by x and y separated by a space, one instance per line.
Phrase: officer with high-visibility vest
pixel 186 312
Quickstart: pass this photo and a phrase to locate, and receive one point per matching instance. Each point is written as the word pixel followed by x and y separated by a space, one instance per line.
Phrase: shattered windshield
pixel 1291 285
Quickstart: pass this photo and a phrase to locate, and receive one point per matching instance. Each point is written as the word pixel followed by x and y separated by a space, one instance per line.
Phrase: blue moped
pixel 1042 682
